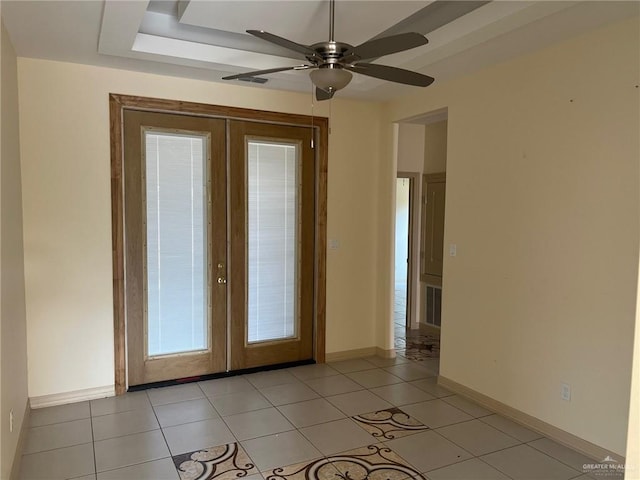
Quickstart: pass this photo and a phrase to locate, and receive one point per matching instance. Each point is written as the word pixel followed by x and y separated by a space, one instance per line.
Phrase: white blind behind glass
pixel 272 180
pixel 176 243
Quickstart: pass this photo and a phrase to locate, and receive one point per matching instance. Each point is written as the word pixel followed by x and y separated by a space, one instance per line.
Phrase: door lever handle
pixel 222 280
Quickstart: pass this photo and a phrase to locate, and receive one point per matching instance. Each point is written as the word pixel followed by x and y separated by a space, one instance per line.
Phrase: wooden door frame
pixel 117 105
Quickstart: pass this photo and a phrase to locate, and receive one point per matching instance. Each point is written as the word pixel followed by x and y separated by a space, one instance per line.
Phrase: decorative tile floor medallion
pixel 390 423
pixel 374 462
pixel 321 469
pixel 225 462
pixel 418 347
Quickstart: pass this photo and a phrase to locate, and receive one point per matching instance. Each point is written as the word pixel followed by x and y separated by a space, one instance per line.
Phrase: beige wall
pixel 435 147
pixel 410 147
pixel 13 350
pixel 65 158
pixel 542 201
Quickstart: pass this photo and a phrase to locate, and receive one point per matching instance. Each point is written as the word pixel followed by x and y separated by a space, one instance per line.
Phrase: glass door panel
pixel 176 253
pixel 273 225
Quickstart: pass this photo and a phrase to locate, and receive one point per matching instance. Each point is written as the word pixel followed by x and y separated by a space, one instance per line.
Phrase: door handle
pixel 221 280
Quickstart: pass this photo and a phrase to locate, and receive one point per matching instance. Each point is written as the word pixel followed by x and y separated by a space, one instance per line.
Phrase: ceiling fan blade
pixel 255 73
pixel 283 42
pixel 392 74
pixel 323 94
pixel 380 47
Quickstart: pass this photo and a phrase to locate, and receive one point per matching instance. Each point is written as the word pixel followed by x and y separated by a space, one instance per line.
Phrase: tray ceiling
pixel 207 39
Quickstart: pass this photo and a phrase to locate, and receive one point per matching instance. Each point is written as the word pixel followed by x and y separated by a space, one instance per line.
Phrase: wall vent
pixel 434 305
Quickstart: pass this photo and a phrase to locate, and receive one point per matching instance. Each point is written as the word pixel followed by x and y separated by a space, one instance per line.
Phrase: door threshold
pixel 213 376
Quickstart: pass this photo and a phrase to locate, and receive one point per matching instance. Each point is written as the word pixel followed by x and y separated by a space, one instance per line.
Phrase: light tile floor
pixel 367 418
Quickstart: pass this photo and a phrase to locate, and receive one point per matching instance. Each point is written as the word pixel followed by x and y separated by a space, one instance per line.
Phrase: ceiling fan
pixel 332 62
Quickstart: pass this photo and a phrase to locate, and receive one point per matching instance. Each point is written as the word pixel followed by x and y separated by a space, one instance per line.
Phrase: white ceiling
pixel 206 40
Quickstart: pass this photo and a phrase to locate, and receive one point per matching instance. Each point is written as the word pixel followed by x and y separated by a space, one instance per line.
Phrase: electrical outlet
pixel 10 421
pixel 565 391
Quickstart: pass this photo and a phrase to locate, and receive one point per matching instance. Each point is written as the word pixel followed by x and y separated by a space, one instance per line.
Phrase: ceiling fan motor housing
pixel 331 52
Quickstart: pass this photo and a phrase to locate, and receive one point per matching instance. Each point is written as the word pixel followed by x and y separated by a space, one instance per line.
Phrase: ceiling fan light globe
pixel 330 79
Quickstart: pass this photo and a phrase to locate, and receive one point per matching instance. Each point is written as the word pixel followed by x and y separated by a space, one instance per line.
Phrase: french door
pixel 219 220
pixel 272 244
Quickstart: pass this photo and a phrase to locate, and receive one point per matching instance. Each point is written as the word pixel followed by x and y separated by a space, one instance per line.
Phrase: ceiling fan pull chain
pixel 330 104
pixel 313 132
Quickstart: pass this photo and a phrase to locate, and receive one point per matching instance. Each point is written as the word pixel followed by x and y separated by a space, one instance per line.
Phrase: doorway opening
pixel 421 156
pixel 401 316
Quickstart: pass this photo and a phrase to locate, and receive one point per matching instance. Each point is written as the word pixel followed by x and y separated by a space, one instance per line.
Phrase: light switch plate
pixel 565 392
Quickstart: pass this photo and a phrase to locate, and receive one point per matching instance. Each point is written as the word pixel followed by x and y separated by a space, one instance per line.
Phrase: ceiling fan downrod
pixel 332 17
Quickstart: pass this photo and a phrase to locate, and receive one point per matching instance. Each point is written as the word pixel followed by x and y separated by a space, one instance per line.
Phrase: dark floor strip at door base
pixel 212 376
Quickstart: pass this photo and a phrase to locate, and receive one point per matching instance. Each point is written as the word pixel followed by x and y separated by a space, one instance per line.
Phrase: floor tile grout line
pixel 93 445
pixel 58 422
pixel 496 468
pixel 471 453
pixel 520 442
pixel 121 411
pixel 434 399
pixel 412 465
pixel 551 456
pixel 528 443
pixel 426 473
pixel 525 444
pixel 208 400
pixel 451 441
pixel 164 437
pixel 507 433
pixel 134 464
pixel 57 448
pixel 54 449
pixel 132 433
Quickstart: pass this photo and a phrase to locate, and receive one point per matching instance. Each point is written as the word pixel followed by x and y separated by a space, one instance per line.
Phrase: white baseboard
pixel 359 353
pixel 72 397
pixel 554 433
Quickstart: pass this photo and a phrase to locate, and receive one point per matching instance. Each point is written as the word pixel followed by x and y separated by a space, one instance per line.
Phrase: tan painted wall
pixel 435 147
pixel 410 147
pixel 542 201
pixel 65 157
pixel 13 350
